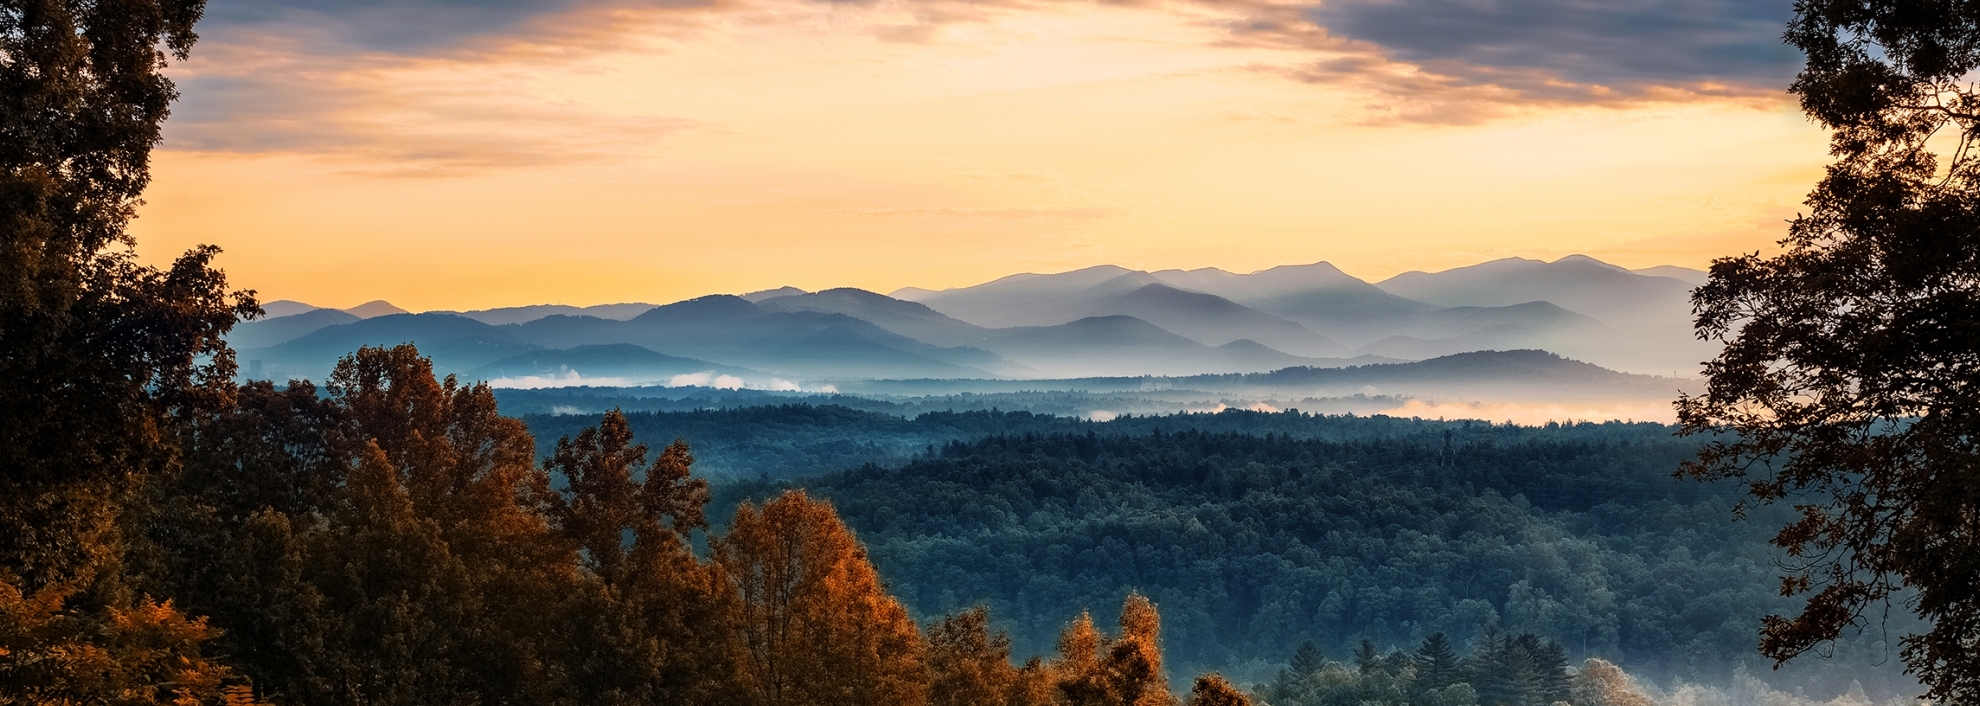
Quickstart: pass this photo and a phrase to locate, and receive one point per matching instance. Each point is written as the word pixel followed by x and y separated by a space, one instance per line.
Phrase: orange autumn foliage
pixel 818 625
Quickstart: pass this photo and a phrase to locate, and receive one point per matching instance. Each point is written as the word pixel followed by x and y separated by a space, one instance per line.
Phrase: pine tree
pixel 1551 661
pixel 1437 664
pixel 1366 660
pixel 1306 660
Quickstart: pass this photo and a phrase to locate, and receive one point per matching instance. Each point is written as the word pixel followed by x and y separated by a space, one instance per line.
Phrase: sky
pixel 467 154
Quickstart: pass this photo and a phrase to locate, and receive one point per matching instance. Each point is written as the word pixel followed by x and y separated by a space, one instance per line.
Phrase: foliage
pixel 101 357
pixel 791 441
pixel 1522 670
pixel 1847 376
pixel 143 655
pixel 1212 690
pixel 1257 543
pixel 819 627
pixel 97 352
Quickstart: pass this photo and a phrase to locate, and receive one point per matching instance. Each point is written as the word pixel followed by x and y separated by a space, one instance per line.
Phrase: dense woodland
pixel 392 538
pixel 1335 530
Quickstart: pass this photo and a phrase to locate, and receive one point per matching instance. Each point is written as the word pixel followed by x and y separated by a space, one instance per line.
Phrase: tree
pixel 818 625
pixel 1213 690
pixel 1846 385
pixel 1094 670
pixel 101 357
pixel 653 628
pixel 99 354
pixel 1132 668
pixel 967 665
pixel 1599 683
pixel 1307 659
pixel 604 501
pixel 1366 659
pixel 1437 664
pixel 146 655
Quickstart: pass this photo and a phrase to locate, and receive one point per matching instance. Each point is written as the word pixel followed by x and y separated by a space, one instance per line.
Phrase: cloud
pixel 421 27
pixel 420 116
pixel 1570 49
pixel 706 379
pixel 568 378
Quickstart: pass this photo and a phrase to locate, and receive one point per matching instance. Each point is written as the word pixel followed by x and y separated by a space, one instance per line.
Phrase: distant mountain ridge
pixel 1097 321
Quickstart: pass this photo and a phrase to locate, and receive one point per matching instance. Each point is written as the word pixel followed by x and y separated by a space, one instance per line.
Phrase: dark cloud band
pixel 1615 43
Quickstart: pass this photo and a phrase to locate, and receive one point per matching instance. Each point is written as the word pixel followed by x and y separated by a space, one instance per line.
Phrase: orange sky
pixel 607 154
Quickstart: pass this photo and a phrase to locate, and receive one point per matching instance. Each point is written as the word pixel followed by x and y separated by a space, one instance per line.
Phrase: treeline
pixel 796 440
pixel 392 539
pixel 1523 670
pixel 1256 543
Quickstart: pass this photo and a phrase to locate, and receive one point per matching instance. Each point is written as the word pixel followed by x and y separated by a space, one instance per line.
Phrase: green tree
pixel 1306 660
pixel 1846 383
pixel 1366 659
pixel 1437 665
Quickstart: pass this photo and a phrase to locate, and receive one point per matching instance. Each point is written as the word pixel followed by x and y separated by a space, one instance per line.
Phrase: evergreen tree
pixel 1306 660
pixel 1366 659
pixel 1551 662
pixel 1492 672
pixel 1437 664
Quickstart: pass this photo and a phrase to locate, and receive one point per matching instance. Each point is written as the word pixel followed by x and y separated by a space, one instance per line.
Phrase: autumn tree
pixel 967 664
pixel 147 654
pixel 1095 670
pixel 1846 384
pixel 818 625
pixel 1213 690
pixel 1600 683
pixel 385 543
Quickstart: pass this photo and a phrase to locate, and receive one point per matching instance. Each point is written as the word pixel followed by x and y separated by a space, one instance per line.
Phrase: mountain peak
pixel 784 291
pixel 374 309
pixel 1584 259
pixel 285 307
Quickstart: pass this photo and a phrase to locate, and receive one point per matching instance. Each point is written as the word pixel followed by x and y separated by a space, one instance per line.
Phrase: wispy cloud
pixel 419 116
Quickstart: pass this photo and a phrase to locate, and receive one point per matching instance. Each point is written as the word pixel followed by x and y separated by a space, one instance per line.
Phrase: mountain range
pixel 1097 321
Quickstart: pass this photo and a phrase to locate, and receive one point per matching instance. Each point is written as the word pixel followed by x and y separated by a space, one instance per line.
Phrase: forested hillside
pixel 1334 530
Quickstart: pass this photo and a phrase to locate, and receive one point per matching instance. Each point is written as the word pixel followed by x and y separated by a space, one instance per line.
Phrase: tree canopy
pixel 1847 385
